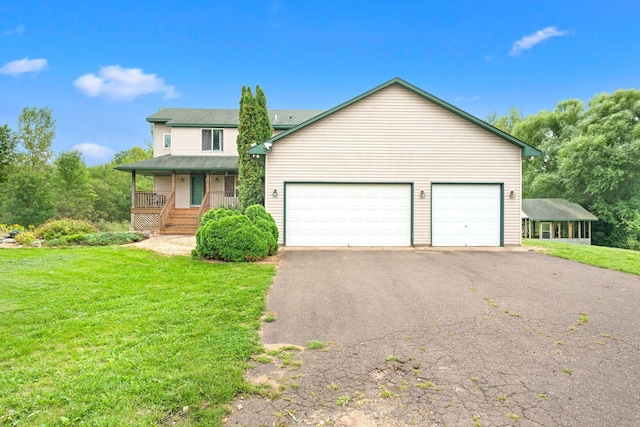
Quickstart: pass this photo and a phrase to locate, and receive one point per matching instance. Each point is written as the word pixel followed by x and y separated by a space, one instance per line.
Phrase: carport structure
pixel 556 219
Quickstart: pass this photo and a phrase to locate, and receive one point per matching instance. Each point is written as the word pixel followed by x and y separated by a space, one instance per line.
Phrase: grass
pixel 122 336
pixel 625 260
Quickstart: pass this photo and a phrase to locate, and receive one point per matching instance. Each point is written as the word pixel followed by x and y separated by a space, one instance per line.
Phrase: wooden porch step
pixel 182 222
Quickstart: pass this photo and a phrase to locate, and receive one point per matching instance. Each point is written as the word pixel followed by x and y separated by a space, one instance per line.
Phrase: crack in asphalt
pixel 437 375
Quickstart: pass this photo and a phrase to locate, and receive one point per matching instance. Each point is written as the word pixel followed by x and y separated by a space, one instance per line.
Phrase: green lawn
pixel 121 336
pixel 623 260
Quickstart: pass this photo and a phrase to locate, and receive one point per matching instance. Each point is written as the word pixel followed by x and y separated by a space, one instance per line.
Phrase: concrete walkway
pixel 169 245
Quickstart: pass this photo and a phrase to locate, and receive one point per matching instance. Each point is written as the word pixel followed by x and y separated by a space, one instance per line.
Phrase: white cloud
pixel 527 42
pixel 18 31
pixel 117 82
pixel 94 152
pixel 25 65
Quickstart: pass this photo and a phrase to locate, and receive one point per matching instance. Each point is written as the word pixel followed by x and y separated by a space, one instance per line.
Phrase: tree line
pixel 591 156
pixel 36 185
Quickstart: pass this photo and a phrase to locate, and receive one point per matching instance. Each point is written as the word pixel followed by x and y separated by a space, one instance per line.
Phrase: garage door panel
pixel 348 215
pixel 466 215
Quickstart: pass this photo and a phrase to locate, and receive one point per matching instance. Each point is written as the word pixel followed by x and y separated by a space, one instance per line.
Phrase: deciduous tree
pixel 35 134
pixel 74 195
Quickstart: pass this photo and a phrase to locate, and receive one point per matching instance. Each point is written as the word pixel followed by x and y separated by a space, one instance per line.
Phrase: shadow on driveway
pixel 448 338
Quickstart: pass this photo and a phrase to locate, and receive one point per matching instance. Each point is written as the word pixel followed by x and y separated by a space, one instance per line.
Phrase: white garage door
pixel 465 215
pixel 348 215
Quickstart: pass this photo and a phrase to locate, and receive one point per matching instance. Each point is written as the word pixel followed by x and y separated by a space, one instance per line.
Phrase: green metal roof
pixel 209 117
pixel 164 165
pixel 527 150
pixel 555 210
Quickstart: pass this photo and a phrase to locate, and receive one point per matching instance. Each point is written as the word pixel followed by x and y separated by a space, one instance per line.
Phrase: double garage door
pixel 380 215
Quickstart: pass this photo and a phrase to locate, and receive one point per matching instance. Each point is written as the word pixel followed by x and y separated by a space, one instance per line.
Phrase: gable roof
pixel 216 117
pixel 555 210
pixel 163 165
pixel 527 150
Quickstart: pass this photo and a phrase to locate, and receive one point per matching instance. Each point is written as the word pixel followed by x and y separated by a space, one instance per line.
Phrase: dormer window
pixel 211 139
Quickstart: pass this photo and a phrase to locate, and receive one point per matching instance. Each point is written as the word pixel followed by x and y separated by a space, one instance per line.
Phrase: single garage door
pixel 347 214
pixel 465 214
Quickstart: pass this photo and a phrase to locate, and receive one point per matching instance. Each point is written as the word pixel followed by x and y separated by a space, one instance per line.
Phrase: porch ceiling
pixel 164 165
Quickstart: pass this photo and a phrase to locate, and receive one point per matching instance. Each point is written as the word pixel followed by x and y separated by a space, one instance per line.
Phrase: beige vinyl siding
pixel 159 129
pixel 183 191
pixel 162 183
pixel 216 186
pixel 188 142
pixel 395 135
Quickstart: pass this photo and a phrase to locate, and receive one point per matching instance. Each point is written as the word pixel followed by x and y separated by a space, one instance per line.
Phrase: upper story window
pixel 211 139
pixel 167 140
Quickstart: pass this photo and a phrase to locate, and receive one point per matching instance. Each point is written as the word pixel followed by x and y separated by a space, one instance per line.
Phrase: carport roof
pixel 555 210
pixel 164 165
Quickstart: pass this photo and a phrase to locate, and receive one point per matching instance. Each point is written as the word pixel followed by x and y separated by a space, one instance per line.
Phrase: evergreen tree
pixel 254 127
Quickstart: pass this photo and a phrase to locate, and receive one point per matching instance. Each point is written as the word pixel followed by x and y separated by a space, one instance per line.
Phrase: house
pixel 394 166
pixel 194 166
pixel 556 219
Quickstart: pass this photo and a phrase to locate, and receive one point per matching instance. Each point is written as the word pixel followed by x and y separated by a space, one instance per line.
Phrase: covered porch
pixel 556 220
pixel 184 188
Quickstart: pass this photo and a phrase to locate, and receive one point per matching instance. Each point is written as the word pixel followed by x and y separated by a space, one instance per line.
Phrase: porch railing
pixel 219 199
pixel 151 199
pixel 205 204
pixel 166 210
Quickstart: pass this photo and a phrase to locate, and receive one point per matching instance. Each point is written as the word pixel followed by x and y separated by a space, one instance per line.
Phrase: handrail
pixel 204 206
pixel 166 210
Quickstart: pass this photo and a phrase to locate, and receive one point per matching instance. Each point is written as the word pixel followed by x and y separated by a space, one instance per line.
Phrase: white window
pixel 212 140
pixel 167 140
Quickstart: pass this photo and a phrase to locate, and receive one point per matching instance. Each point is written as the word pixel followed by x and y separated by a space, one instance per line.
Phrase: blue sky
pixel 103 67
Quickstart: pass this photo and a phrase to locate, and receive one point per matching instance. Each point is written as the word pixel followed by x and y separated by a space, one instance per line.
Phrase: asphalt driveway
pixel 448 338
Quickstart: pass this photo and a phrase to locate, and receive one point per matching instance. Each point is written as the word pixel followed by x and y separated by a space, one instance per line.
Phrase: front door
pixel 197 189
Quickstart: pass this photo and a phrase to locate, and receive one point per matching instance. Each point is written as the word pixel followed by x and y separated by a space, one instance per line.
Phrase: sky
pixel 103 67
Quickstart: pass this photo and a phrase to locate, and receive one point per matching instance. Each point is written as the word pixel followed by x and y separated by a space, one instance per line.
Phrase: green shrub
pixel 7 228
pixel 230 236
pixel 218 213
pixel 64 227
pixel 106 238
pixel 265 222
pixel 25 238
pixel 112 238
pixel 266 230
pixel 122 226
pixel 73 239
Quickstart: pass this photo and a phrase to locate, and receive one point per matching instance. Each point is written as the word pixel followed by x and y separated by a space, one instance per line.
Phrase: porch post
pixel 173 182
pixel 206 183
pixel 589 231
pixel 133 189
pixel 571 229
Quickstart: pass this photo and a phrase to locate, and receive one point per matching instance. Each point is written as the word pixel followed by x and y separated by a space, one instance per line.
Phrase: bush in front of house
pixel 25 238
pixel 218 214
pixel 229 235
pixel 64 227
pixel 106 238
